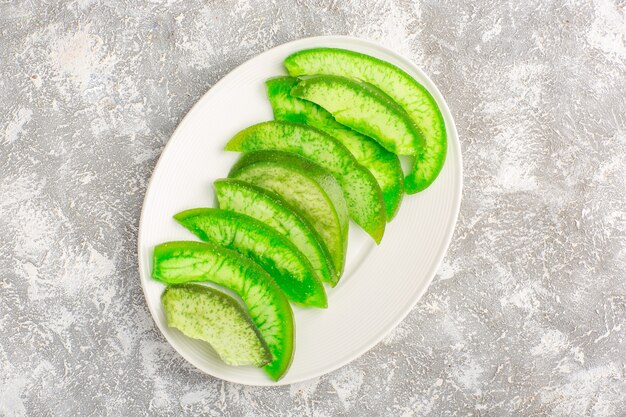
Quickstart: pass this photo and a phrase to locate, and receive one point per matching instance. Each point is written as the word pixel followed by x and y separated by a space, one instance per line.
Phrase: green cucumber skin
pixel 360 189
pixel 400 86
pixel 364 108
pixel 275 253
pixel 308 189
pixel 384 165
pixel 206 314
pixel 184 261
pixel 269 208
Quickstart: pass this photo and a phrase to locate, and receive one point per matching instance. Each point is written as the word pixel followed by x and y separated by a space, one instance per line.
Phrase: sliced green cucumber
pixel 182 262
pixel 400 86
pixel 384 165
pixel 204 313
pixel 365 109
pixel 309 190
pixel 360 189
pixel 274 252
pixel 269 208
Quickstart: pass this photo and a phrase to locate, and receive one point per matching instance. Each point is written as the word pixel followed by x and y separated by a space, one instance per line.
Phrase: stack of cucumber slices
pixel 342 119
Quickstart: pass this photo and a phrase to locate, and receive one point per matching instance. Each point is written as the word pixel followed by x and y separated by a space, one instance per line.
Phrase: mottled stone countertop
pixel 527 313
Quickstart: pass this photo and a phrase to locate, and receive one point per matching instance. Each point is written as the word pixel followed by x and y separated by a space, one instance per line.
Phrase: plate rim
pixel 449 231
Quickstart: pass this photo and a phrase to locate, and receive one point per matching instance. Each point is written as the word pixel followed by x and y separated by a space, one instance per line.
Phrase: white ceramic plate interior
pixel 381 284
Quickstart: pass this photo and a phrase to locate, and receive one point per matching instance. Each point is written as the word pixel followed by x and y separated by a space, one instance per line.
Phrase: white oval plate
pixel 381 284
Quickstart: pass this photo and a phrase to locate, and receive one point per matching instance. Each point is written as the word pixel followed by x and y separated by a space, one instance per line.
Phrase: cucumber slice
pixel 384 165
pixel 182 262
pixel 400 86
pixel 360 189
pixel 309 190
pixel 275 253
pixel 269 208
pixel 203 313
pixel 365 109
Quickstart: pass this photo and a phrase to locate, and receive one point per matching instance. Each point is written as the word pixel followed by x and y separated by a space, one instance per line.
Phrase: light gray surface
pixel 526 315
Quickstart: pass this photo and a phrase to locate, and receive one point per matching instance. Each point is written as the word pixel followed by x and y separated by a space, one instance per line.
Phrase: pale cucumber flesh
pixel 310 191
pixel 185 261
pixel 206 314
pixel 269 208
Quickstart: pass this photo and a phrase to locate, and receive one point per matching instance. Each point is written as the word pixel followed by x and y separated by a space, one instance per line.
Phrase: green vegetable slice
pixel 309 190
pixel 360 189
pixel 275 253
pixel 183 262
pixel 271 209
pixel 400 86
pixel 206 314
pixel 384 165
pixel 365 109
